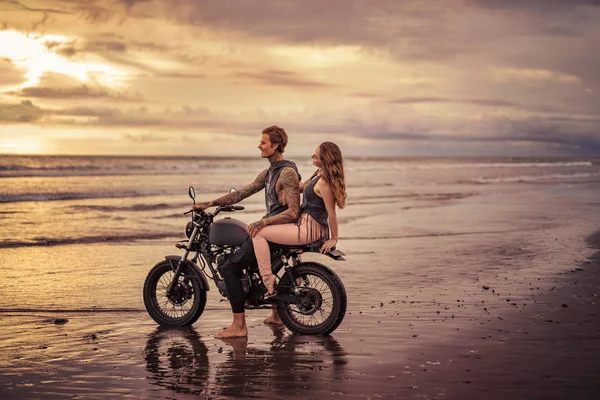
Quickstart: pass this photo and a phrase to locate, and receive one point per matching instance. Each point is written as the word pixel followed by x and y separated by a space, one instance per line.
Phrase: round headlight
pixel 188 229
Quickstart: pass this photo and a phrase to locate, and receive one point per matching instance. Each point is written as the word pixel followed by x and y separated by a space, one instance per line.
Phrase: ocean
pixel 52 200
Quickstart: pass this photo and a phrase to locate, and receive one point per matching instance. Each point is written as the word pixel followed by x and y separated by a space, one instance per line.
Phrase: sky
pixel 377 77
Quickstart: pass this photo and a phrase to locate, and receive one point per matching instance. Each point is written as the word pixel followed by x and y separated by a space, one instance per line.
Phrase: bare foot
pixel 269 281
pixel 232 332
pixel 273 318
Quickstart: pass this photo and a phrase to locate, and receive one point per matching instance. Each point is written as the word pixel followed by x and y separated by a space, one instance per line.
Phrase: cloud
pixel 25 112
pixel 89 112
pixel 281 78
pixel 474 102
pixel 536 5
pixel 14 4
pixel 10 75
pixel 79 92
pixel 60 87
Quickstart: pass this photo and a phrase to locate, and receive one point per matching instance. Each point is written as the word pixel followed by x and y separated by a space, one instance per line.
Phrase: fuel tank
pixel 227 232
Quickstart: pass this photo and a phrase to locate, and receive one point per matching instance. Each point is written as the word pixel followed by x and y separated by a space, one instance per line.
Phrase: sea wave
pixel 135 207
pixel 536 178
pixel 20 197
pixel 400 166
pixel 43 241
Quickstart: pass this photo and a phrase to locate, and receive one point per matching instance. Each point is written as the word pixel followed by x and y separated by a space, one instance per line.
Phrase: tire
pixel 190 302
pixel 330 289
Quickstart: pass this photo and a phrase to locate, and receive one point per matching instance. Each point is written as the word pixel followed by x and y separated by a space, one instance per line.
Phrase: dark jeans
pixel 232 273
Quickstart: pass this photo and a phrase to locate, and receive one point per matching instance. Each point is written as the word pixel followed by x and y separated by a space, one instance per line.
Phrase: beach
pixel 465 278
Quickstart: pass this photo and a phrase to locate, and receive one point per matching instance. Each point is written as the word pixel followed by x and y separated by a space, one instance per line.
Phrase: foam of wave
pixel 535 178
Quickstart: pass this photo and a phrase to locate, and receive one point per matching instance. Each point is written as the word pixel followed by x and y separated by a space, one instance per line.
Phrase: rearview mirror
pixel 192 193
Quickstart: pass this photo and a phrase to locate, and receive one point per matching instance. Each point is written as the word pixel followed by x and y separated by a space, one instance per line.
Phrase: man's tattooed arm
pixel 291 191
pixel 290 187
pixel 238 195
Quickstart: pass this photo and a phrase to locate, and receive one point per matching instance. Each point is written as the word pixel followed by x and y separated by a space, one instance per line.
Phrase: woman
pixel 322 191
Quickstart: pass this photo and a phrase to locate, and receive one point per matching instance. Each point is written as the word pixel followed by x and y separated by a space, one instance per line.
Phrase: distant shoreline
pixel 515 159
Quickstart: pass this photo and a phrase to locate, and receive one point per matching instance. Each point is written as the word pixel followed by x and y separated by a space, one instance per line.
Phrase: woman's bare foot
pixel 269 281
pixel 273 318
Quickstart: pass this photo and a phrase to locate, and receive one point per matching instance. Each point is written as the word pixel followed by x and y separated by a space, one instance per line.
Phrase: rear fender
pixel 337 255
pixel 174 260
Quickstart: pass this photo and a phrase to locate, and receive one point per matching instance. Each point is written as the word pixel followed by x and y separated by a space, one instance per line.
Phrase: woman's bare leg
pixel 288 234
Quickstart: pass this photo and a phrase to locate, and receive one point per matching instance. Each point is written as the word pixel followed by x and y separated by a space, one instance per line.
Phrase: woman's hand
pixel 328 245
pixel 254 227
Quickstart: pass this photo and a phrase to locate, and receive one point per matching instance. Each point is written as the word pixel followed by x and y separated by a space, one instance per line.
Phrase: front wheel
pixel 184 306
pixel 321 303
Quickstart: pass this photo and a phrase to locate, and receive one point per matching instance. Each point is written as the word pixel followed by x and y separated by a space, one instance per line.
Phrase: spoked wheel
pixel 321 301
pixel 184 306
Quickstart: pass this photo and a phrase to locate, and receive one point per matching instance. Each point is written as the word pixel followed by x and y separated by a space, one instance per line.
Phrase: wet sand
pixel 502 305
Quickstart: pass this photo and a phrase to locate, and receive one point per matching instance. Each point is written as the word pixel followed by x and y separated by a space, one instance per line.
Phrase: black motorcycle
pixel 311 298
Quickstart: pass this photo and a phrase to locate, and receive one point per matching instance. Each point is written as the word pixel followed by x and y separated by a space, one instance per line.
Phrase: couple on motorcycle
pixel 287 221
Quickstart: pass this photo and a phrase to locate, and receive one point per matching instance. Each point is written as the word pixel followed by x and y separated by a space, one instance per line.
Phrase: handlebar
pixel 221 209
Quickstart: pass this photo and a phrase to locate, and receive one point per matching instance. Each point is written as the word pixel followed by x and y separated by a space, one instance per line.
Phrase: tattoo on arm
pixel 246 191
pixel 291 191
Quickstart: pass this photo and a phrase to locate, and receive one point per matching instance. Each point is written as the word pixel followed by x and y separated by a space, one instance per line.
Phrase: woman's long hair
pixel 332 171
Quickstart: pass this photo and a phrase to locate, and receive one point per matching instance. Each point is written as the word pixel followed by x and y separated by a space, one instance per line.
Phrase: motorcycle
pixel 310 300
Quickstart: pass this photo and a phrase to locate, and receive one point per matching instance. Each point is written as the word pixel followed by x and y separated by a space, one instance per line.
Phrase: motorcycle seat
pixel 313 247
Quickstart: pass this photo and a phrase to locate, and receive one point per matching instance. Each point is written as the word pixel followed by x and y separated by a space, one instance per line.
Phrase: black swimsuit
pixel 316 214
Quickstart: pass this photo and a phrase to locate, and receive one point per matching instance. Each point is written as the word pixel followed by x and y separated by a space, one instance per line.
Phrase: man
pixel 282 197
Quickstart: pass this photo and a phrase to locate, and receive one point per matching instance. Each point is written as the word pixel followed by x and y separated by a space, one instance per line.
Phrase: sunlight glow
pixel 534 75
pixel 33 54
pixel 331 56
pixel 21 145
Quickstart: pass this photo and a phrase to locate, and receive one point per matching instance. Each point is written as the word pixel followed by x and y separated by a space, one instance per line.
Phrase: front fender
pixel 194 267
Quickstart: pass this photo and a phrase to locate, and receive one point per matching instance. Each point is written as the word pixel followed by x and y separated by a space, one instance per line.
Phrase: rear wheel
pixel 322 300
pixel 186 303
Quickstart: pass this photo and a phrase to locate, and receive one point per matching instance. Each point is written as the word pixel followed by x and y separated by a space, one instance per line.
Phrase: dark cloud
pixel 14 4
pixel 65 49
pixel 475 102
pixel 501 133
pixel 60 86
pixel 536 5
pixel 281 78
pixel 25 112
pixel 89 112
pixel 104 46
pixel 74 92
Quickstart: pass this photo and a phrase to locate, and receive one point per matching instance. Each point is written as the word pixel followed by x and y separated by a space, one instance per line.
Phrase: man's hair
pixel 277 136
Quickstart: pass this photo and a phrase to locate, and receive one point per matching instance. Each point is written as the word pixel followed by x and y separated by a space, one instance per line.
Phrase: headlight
pixel 188 229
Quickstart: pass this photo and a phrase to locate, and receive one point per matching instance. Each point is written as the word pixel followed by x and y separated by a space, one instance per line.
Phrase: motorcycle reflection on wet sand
pixel 178 359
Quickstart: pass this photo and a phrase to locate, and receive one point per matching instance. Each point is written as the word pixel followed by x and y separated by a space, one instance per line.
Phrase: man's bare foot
pixel 232 332
pixel 273 318
pixel 237 328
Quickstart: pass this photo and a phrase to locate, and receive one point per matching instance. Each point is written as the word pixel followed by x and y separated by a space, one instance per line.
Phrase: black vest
pixel 271 201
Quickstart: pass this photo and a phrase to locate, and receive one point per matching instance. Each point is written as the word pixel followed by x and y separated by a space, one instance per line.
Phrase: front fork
pixel 181 262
